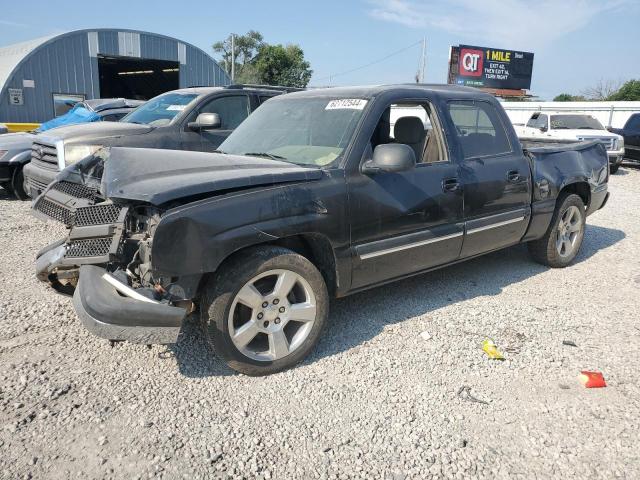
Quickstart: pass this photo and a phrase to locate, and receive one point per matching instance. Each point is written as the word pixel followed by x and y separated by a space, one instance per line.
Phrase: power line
pixel 369 64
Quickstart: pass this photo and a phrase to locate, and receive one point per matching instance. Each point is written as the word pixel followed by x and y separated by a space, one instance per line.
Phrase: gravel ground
pixel 375 400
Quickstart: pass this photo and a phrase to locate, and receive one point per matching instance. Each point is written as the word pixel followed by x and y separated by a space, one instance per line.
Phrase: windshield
pixel 160 110
pixel 575 122
pixel 305 131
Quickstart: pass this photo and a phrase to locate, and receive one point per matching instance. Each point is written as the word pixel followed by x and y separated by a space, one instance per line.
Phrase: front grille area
pixel 55 211
pixel 608 142
pixel 33 183
pixel 75 189
pixel 41 153
pixel 102 214
pixel 91 247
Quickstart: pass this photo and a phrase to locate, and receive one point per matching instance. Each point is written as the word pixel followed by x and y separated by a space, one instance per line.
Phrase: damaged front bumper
pixel 110 309
pixel 81 265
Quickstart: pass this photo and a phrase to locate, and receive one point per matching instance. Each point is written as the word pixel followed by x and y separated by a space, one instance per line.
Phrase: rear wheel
pixel 17 184
pixel 264 312
pixel 560 245
pixel 613 168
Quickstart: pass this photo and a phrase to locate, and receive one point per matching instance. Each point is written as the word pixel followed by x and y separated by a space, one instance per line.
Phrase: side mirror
pixel 543 129
pixel 206 121
pixel 390 157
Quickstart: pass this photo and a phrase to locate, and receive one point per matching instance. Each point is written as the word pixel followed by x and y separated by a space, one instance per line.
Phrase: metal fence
pixel 610 114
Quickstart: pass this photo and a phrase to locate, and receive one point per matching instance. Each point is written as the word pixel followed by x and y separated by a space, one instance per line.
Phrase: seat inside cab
pixel 411 125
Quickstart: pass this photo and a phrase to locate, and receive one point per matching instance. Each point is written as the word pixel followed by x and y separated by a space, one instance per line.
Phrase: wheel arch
pixel 315 247
pixel 580 188
pixel 21 158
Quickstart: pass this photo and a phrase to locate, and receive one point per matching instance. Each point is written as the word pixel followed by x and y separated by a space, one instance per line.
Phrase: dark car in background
pixel 631 134
pixel 196 119
pixel 15 148
pixel 89 111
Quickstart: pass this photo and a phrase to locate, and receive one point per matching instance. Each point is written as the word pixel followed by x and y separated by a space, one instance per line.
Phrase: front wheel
pixel 560 245
pixel 17 184
pixel 613 168
pixel 265 310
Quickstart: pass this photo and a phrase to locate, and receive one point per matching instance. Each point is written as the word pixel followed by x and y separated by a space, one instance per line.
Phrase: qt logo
pixel 471 62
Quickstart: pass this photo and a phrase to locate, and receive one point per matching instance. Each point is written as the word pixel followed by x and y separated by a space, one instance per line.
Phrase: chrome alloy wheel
pixel 272 315
pixel 569 230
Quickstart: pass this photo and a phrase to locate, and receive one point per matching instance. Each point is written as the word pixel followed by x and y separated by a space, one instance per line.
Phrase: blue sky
pixel 576 42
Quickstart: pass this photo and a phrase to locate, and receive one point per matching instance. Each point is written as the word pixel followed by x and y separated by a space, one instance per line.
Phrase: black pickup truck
pixel 314 196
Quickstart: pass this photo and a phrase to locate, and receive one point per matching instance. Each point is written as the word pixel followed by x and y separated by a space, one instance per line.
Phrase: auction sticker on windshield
pixel 346 103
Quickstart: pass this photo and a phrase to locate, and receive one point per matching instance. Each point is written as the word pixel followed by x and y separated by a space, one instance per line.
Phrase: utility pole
pixel 233 57
pixel 423 59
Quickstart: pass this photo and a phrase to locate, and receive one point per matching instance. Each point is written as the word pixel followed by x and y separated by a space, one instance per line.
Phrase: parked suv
pixel 15 148
pixel 631 134
pixel 197 119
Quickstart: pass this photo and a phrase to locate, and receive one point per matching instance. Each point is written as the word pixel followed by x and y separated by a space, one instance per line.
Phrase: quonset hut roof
pixel 12 55
pixel 32 72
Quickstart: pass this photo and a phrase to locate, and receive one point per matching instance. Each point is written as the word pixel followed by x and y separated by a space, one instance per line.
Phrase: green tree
pixel 246 48
pixel 567 97
pixel 630 91
pixel 280 65
pixel 563 97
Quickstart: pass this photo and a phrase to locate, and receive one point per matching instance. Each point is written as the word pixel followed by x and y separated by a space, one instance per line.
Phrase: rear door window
pixel 232 110
pixel 479 129
pixel 264 98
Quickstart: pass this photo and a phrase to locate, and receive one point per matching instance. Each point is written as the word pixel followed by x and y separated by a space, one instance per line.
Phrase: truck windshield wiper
pixel 265 155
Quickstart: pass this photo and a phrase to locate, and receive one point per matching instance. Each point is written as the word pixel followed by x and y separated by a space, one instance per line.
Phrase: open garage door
pixel 136 78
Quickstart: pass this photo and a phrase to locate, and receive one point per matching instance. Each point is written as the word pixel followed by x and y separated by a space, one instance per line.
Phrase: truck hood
pixel 159 176
pixel 17 141
pixel 91 132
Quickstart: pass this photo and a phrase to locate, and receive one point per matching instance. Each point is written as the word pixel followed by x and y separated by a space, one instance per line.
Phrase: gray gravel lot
pixel 375 400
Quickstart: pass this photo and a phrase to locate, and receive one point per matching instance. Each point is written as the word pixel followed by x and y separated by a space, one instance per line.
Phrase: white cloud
pixel 9 23
pixel 519 24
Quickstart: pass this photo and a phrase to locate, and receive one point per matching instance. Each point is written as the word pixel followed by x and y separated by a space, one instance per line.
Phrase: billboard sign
pixel 490 67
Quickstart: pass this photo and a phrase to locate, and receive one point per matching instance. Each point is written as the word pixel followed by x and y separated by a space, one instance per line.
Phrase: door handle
pixel 450 185
pixel 513 176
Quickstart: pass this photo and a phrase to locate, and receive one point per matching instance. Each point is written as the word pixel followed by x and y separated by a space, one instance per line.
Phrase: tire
pixel 7 187
pixel 17 184
pixel 613 168
pixel 551 249
pixel 250 338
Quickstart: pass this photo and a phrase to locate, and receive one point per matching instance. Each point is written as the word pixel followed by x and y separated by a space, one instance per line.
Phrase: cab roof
pixel 370 91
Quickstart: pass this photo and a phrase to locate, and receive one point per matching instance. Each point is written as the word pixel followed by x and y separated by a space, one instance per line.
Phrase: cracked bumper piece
pixel 112 310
